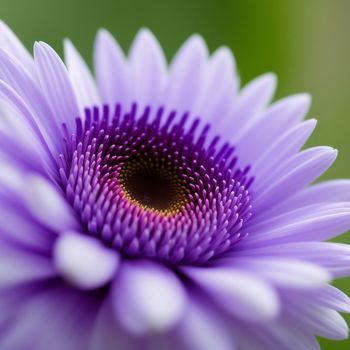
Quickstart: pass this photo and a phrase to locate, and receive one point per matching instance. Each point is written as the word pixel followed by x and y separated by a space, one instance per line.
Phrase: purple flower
pixel 161 207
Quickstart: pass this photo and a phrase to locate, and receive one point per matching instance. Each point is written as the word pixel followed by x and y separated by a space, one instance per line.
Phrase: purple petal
pixel 293 175
pixel 187 75
pixel 334 257
pixel 10 42
pixel 82 80
pixel 48 206
pixel 148 297
pixel 83 261
pixel 55 84
pixel 112 71
pixel 18 267
pixel 238 292
pixel 148 69
pixel 283 272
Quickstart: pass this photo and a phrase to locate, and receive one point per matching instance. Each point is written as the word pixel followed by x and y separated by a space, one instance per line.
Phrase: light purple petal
pixel 331 191
pixel 83 261
pixel 330 297
pixel 15 101
pixel 18 266
pixel 334 257
pixel 322 321
pixel 251 102
pixel 187 75
pixel 112 71
pixel 203 328
pixel 283 148
pixel 55 84
pixel 284 272
pixel 10 42
pixel 148 69
pixel 278 118
pixel 15 75
pixel 48 206
pixel 239 292
pixel 219 93
pixel 321 222
pixel 45 315
pixel 82 80
pixel 292 175
pixel 148 297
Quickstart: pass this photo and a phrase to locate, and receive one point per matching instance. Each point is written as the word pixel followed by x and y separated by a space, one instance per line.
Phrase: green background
pixel 306 42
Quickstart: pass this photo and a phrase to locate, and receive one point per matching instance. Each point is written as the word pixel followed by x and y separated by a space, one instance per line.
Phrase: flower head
pixel 160 206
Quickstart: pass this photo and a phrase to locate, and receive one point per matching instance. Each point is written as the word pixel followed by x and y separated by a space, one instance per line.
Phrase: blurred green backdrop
pixel 307 43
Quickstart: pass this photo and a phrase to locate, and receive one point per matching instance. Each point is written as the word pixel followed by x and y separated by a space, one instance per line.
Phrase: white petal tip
pixel 149 299
pixel 84 262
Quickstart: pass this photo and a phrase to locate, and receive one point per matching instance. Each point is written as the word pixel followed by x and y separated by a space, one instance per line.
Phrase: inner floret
pixel 153 185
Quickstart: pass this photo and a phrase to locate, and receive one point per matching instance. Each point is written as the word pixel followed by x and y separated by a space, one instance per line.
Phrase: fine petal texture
pixel 148 298
pixel 81 77
pixel 83 261
pixel 238 292
pixel 112 70
pixel 290 273
pixel 187 75
pixel 148 69
pixel 55 83
pixel 334 257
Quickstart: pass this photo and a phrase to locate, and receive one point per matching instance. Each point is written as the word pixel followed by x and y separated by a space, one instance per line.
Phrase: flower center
pixel 153 184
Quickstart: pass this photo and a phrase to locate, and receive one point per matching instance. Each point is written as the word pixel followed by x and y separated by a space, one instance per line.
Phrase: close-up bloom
pixel 162 206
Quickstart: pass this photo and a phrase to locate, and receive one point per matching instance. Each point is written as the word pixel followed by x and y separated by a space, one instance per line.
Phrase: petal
pixel 314 223
pixel 283 272
pixel 293 175
pixel 112 70
pixel 18 229
pixel 322 321
pixel 187 75
pixel 15 75
pixel 48 206
pixel 54 318
pixel 275 335
pixel 278 118
pixel 18 266
pixel 81 78
pixel 283 148
pixel 83 261
pixel 148 297
pixel 55 84
pixel 334 257
pixel 238 292
pixel 203 328
pixel 219 92
pixel 325 192
pixel 10 42
pixel 11 97
pixel 107 334
pixel 332 298
pixel 148 69
pixel 251 101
